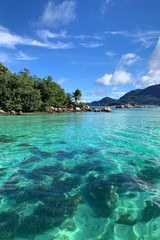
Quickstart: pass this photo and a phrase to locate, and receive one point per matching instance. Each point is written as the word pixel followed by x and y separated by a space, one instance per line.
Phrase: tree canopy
pixel 30 93
pixel 77 95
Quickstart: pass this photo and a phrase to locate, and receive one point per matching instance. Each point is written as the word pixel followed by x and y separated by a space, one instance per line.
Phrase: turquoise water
pixel 80 176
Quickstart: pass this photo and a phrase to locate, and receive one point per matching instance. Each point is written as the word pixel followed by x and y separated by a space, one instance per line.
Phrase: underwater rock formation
pixel 100 195
pixel 8 225
pixel 151 211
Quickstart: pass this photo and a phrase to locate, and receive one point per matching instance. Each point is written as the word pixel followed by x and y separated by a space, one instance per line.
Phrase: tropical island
pixel 23 92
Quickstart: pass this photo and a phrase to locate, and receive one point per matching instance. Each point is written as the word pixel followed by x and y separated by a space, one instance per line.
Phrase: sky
pixel 103 47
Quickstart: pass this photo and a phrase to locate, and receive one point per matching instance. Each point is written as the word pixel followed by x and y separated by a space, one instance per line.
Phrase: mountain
pixel 147 96
pixel 104 102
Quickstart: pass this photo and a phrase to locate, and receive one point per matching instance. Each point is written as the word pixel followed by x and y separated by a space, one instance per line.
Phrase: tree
pixel 69 100
pixel 52 94
pixel 3 69
pixel 77 95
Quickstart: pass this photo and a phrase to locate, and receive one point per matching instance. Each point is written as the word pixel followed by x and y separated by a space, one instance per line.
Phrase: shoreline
pixel 78 109
pixel 59 110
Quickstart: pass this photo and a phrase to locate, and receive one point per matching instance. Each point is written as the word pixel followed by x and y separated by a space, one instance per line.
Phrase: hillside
pixel 149 96
pixel 103 102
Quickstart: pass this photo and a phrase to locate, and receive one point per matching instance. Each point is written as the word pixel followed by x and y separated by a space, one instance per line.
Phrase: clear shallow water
pixel 80 176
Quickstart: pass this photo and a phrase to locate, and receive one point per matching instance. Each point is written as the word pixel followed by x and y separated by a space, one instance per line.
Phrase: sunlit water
pixel 80 176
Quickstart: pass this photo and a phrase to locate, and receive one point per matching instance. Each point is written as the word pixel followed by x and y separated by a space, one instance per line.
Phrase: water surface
pixel 80 176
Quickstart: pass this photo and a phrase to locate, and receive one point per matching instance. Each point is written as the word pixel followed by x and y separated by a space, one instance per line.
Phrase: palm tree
pixel 77 95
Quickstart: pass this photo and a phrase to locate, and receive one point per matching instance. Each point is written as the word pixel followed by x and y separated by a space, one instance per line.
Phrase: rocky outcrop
pixel 63 110
pixel 12 112
pixel 97 110
pixel 78 109
pixel 133 106
pixel 125 106
pixel 19 113
pixel 107 109
pixel 2 112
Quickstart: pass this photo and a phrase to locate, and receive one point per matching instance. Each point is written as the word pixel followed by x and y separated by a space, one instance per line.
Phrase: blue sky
pixel 103 47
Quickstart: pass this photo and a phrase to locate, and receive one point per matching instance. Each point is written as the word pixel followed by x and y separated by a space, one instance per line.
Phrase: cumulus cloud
pixel 22 56
pixel 57 15
pixel 97 92
pixel 11 40
pixel 62 80
pixel 119 77
pixel 153 75
pixel 129 59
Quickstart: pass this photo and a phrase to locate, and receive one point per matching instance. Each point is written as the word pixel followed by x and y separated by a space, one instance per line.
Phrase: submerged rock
pixel 10 190
pixel 8 225
pixel 38 193
pixel 37 151
pixel 84 168
pixel 30 160
pixel 65 185
pixel 151 173
pixel 39 174
pixel 125 182
pixel 151 211
pixel 61 155
pixel 5 139
pixel 126 219
pixel 101 196
pixel 33 225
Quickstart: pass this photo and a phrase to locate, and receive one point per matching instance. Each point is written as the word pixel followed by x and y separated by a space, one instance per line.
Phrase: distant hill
pixel 148 96
pixel 103 102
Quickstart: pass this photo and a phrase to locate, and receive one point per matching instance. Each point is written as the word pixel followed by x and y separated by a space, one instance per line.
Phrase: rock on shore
pixel 133 106
pixel 105 109
pixel 63 109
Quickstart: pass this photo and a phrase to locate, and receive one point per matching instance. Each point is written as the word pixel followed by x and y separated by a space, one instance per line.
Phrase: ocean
pixel 80 176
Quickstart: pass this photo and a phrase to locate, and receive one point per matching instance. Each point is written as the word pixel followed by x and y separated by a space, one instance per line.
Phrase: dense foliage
pixel 30 93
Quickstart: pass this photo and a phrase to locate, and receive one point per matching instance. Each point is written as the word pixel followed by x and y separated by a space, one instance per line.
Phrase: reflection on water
pixel 80 176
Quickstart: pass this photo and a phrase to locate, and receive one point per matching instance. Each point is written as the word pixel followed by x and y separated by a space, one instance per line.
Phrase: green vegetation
pixel 22 92
pixel 77 95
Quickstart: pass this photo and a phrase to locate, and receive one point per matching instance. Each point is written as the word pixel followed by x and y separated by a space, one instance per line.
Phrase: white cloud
pixel 105 6
pixel 91 45
pixel 97 92
pixel 153 75
pixel 11 40
pixel 45 34
pixel 22 56
pixel 145 38
pixel 110 54
pixel 56 15
pixel 129 59
pixel 62 80
pixel 83 36
pixel 119 77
